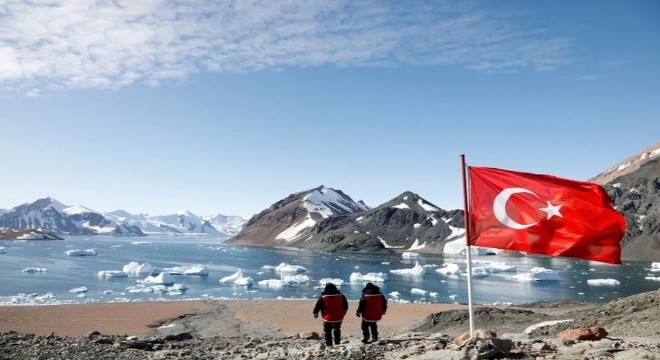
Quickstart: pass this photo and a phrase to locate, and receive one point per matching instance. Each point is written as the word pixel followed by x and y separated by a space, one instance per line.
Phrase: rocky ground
pixel 632 324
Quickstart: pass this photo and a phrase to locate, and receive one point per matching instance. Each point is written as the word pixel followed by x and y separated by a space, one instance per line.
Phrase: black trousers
pixel 368 326
pixel 332 330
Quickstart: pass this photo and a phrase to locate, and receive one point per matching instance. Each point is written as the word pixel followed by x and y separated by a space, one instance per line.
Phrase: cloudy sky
pixel 228 106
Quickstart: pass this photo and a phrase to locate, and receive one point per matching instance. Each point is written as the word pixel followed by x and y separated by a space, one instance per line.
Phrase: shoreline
pixel 288 317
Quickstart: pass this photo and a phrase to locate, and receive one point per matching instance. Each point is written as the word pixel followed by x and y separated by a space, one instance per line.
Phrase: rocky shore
pixel 628 328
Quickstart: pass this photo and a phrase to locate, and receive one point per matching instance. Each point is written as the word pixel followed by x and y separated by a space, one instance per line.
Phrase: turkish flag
pixel 543 214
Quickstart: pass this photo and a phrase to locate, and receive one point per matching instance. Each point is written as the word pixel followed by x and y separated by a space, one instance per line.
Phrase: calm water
pixel 66 273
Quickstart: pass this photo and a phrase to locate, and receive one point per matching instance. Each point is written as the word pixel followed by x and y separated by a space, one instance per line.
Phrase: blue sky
pixel 228 106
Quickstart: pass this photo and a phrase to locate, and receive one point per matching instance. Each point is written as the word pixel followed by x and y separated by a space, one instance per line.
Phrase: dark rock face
pixel 406 222
pixel 637 196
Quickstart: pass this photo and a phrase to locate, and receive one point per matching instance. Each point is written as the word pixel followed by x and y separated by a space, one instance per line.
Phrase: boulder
pixel 592 333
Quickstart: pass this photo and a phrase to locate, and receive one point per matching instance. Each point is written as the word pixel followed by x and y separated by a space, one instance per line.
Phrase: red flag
pixel 543 214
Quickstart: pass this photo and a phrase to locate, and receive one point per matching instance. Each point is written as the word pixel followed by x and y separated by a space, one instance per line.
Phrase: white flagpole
pixel 468 252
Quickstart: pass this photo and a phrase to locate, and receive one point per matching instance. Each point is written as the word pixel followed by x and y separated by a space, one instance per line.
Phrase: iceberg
pixel 410 255
pixel 188 270
pixel 82 289
pixel 87 252
pixel 337 282
pixel 163 278
pixel 368 277
pixel 111 274
pixel 272 283
pixel 135 268
pixel 652 278
pixel 449 269
pixel 296 279
pixel 655 267
pixel 291 269
pixel 417 291
pixel 34 270
pixel 417 270
pixel 237 279
pixel 538 274
pixel 3 250
pixel 603 282
pixel 457 247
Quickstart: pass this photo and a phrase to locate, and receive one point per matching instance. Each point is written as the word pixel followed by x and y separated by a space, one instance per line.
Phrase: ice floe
pixel 81 289
pixel 285 268
pixel 3 250
pixel 188 270
pixel 538 274
pixel 368 277
pixel 416 291
pixel 337 282
pixel 410 255
pixel 449 269
pixel 86 252
pixel 416 270
pixel 111 274
pixel 163 278
pixel 135 268
pixel 237 278
pixel 34 270
pixel 655 267
pixel 603 282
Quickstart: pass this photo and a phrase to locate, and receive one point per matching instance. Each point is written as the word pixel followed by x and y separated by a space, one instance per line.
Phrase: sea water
pixel 79 273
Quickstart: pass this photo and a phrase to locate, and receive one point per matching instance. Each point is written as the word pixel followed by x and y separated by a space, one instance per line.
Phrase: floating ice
pixel 417 270
pixel 603 282
pixel 188 270
pixel 395 294
pixel 478 272
pixel 3 250
pixel 337 282
pixel 655 267
pixel 538 274
pixel 237 278
pixel 82 289
pixel 417 291
pixel 296 279
pixel 453 296
pixel 495 267
pixel 291 269
pixel 28 299
pixel 135 268
pixel 433 294
pixel 272 283
pixel 457 247
pixel 111 274
pixel 410 255
pixel 34 270
pixel 652 278
pixel 449 269
pixel 87 252
pixel 368 277
pixel 163 278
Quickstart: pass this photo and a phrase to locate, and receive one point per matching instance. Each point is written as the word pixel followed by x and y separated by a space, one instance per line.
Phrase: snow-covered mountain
pixel 49 214
pixel 293 218
pixel 313 220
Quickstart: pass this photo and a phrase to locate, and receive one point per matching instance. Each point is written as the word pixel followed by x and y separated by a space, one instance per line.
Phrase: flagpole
pixel 468 252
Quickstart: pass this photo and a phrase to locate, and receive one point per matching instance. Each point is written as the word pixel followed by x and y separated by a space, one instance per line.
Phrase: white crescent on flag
pixel 499 208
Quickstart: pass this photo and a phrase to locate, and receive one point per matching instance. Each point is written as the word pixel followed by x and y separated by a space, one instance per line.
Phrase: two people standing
pixel 333 306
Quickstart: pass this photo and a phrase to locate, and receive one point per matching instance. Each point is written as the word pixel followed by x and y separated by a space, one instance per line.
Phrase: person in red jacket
pixel 372 307
pixel 332 305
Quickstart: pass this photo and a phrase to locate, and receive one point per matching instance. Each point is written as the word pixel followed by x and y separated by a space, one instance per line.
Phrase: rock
pixel 309 335
pixel 478 334
pixel 540 346
pixel 592 333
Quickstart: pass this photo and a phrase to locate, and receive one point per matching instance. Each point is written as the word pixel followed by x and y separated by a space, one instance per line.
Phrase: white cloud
pixel 72 44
